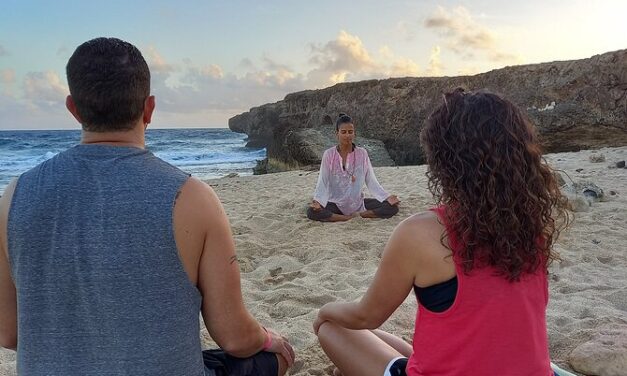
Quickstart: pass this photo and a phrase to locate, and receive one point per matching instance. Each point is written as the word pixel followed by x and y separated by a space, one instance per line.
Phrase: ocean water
pixel 205 153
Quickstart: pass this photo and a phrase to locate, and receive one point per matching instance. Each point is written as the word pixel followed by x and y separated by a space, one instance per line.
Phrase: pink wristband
pixel 268 342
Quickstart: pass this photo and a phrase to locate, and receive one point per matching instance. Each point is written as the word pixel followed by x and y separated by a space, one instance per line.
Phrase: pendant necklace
pixel 350 174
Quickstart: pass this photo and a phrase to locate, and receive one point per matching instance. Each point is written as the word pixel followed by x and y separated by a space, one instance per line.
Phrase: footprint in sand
pixel 277 276
pixel 239 230
pixel 287 205
pixel 618 299
pixel 357 245
pixel 246 264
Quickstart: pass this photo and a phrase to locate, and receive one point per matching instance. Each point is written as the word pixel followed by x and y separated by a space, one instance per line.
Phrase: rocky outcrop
pixel 605 354
pixel 305 147
pixel 577 104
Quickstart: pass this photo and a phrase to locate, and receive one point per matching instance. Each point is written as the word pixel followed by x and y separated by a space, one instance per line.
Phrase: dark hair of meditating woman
pixel 477 261
pixel 344 170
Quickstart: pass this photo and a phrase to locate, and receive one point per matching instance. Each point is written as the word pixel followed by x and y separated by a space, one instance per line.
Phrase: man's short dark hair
pixel 109 82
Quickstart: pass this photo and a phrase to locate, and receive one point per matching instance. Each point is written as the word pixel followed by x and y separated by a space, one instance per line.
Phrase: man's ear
pixel 149 107
pixel 71 106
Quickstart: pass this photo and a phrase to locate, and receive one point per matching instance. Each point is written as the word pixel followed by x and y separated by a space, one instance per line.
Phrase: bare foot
pixel 368 214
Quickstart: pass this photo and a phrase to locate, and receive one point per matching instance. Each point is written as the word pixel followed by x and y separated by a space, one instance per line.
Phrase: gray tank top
pixel 100 286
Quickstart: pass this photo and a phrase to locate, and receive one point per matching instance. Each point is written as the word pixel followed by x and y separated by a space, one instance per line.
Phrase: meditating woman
pixel 343 171
pixel 477 261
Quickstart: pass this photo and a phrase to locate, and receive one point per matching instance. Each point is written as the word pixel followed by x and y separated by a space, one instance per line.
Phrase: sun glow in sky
pixel 212 60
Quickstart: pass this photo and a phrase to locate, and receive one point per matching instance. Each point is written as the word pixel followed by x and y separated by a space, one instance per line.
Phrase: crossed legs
pixel 360 352
pixel 378 209
pixel 374 209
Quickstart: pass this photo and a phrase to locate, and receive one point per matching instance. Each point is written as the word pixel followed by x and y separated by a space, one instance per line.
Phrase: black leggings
pixel 380 209
pixel 219 363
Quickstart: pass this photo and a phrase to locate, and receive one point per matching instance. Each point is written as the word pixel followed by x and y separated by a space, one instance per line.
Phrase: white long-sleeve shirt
pixel 344 186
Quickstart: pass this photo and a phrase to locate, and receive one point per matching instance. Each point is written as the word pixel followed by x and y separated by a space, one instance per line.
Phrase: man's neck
pixel 131 138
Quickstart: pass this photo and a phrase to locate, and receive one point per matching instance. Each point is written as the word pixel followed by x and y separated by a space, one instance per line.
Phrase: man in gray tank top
pixel 108 254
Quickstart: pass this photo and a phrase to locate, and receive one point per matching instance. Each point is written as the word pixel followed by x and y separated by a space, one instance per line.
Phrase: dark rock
pixel 592 191
pixel 304 147
pixel 620 164
pixel 579 104
pixel 261 167
pixel 605 354
pixel 256 143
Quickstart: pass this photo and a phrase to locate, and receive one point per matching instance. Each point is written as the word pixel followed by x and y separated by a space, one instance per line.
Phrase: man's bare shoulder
pixel 196 192
pixel 197 205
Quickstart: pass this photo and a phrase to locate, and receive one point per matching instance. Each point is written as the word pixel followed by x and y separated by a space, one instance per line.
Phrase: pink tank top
pixel 494 327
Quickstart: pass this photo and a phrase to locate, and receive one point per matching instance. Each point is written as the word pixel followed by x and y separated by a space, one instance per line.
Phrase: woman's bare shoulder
pixel 421 235
pixel 419 223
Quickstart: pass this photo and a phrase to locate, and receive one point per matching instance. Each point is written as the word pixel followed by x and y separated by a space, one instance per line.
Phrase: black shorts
pixel 396 367
pixel 223 364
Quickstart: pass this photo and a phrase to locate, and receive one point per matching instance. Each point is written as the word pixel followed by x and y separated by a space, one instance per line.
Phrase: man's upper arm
pixel 8 299
pixel 223 308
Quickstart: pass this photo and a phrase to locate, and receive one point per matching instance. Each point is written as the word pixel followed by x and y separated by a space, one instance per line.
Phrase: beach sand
pixel 291 266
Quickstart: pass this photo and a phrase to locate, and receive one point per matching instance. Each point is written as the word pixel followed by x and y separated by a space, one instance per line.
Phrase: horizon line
pixel 79 129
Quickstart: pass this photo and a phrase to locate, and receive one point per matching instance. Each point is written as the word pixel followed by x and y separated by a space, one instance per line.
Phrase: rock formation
pixel 577 104
pixel 605 354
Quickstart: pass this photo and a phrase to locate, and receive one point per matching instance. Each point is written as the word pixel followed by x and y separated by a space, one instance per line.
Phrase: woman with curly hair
pixel 477 262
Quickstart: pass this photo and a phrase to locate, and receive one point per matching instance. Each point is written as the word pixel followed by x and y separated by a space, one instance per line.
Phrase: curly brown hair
pixel 502 200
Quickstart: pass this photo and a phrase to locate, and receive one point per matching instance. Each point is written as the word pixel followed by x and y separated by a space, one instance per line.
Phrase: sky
pixel 211 60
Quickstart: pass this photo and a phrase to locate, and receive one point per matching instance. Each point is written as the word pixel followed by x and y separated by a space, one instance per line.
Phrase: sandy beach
pixel 291 266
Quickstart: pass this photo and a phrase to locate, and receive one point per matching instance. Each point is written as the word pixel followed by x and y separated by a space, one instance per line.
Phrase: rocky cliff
pixel 576 105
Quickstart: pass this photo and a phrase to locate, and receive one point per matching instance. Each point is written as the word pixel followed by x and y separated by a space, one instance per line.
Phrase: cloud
pixel 3 51
pixel 44 88
pixel 404 67
pixel 189 87
pixel 465 36
pixel 197 93
pixel 435 66
pixel 347 59
pixel 19 114
pixel 205 89
pixel 246 63
pixel 205 72
pixel 39 104
pixel 156 62
pixel 339 59
pixel 386 52
pixel 7 76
